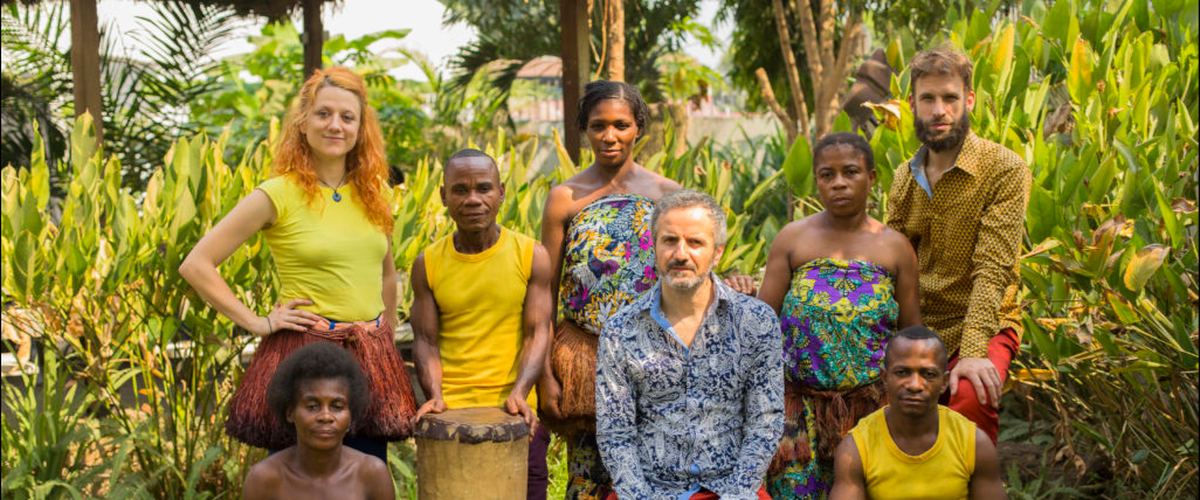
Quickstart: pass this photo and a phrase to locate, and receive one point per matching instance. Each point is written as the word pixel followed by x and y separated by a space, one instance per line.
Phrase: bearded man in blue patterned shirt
pixel 689 378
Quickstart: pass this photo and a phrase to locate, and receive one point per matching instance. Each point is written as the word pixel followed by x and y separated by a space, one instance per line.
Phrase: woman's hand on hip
pixel 287 317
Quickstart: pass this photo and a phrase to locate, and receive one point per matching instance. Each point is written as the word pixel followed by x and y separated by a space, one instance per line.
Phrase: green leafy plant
pixel 1076 89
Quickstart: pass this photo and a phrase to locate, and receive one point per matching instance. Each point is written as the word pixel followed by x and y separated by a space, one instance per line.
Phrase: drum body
pixel 478 453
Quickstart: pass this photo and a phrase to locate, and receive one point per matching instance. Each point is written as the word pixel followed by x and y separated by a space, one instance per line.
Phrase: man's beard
pixel 949 142
pixel 684 284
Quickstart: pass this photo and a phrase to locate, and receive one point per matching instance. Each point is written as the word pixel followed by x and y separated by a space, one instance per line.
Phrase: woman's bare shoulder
pixel 888 236
pixel 264 477
pixel 801 227
pixel 665 185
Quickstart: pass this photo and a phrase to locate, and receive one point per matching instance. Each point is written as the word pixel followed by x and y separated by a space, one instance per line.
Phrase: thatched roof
pixel 270 9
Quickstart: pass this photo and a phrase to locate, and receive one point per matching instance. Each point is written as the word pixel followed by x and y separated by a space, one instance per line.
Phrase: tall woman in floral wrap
pixel 596 228
pixel 842 283
pixel 327 217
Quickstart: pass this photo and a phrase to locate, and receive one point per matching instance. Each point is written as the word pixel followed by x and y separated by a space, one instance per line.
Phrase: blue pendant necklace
pixel 336 195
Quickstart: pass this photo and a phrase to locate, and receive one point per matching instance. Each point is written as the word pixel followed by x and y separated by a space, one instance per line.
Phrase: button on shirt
pixel 967 230
pixel 672 419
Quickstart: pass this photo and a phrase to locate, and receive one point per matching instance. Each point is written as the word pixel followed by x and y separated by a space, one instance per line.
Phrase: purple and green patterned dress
pixel 607 263
pixel 836 319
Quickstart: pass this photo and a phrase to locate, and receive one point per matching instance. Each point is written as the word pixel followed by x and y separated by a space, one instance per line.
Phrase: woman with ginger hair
pixel 326 215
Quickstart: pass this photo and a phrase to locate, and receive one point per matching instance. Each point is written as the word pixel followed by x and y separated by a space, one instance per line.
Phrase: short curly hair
pixel 603 90
pixel 317 361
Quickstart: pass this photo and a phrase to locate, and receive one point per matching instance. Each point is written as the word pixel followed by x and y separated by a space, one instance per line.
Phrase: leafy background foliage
pixel 1100 98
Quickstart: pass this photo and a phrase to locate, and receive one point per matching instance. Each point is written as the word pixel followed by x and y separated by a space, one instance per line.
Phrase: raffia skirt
pixel 836 413
pixel 573 360
pixel 388 416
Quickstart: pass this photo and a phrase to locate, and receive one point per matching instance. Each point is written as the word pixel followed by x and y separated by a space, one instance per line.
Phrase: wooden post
pixel 614 18
pixel 576 62
pixel 314 36
pixel 85 62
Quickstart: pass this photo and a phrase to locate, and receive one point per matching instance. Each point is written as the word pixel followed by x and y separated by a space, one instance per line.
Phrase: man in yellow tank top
pixel 914 448
pixel 481 307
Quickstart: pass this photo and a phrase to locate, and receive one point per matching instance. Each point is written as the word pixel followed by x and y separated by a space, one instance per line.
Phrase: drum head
pixel 472 426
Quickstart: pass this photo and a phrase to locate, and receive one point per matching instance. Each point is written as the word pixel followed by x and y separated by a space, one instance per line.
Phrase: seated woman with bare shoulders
pixel 321 393
pixel 842 283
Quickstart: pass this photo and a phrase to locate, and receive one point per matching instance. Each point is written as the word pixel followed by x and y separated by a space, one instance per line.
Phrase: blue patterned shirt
pixel 672 419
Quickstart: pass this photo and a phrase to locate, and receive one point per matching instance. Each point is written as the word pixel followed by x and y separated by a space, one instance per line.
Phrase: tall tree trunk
pixel 614 18
pixel 827 71
pixel 313 37
pixel 85 63
pixel 799 109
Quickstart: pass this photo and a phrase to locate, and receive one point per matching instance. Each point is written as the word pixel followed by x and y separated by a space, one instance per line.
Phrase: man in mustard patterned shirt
pixel 961 202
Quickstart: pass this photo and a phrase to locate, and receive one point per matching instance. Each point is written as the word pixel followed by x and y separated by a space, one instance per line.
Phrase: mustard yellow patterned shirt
pixel 967 232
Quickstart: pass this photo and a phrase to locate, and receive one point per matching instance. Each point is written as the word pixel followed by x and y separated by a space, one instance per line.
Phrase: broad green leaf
pixel 979 29
pixel 1125 314
pixel 1058 21
pixel 1167 8
pixel 1143 265
pixel 1170 221
pixel 797 166
pixel 762 188
pixel 1132 202
pixel 1045 346
pixel 842 123
pixel 1042 214
pixel 1100 184
pixel 1002 52
pixel 566 167
pixel 1079 75
pixel 895 54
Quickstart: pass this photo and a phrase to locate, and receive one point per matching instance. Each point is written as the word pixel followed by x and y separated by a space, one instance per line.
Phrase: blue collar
pixel 917 165
pixel 720 291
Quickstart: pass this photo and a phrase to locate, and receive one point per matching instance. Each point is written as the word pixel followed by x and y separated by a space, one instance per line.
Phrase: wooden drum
pixel 475 453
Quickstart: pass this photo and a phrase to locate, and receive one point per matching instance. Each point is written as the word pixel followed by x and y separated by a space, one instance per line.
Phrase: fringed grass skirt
pixel 573 359
pixel 388 416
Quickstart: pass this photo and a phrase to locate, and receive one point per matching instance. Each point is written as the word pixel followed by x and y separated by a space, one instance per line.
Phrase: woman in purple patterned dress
pixel 842 282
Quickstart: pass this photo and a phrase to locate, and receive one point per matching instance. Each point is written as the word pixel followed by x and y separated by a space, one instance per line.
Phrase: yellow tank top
pixel 328 253
pixel 943 472
pixel 480 299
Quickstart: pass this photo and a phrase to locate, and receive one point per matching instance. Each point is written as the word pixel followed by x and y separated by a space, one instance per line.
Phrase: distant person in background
pixel 327 218
pixel 842 283
pixel 961 202
pixel 320 394
pixel 596 229
pixel 915 449
pixel 481 307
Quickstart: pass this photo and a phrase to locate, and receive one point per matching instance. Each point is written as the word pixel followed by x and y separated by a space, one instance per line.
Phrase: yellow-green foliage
pixel 1100 98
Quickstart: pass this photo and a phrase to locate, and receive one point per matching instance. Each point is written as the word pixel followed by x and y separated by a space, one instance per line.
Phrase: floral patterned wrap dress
pixel 609 259
pixel 607 263
pixel 836 319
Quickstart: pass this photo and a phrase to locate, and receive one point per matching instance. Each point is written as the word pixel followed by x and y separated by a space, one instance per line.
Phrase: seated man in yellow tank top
pixel 913 448
pixel 481 307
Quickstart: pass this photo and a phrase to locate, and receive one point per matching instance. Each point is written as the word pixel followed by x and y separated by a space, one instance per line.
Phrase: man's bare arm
pixel 536 323
pixel 426 326
pixel 849 482
pixel 985 482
